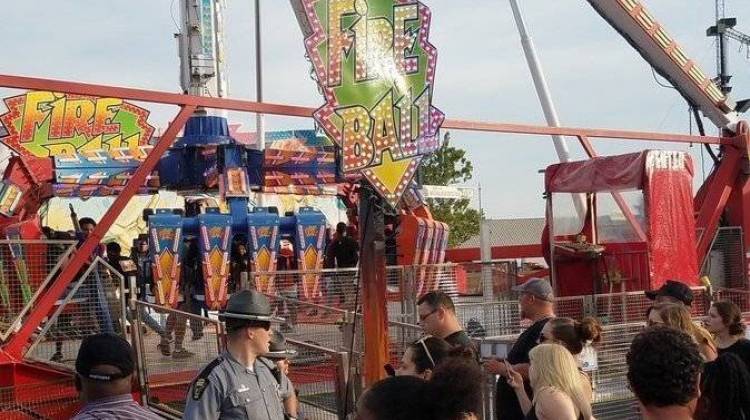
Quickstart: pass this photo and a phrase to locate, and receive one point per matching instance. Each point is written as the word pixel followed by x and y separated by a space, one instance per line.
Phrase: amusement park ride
pixel 376 68
pixel 206 159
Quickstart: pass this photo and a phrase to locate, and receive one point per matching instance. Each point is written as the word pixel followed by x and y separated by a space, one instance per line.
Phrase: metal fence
pixel 320 376
pixel 740 298
pixel 490 318
pixel 92 304
pixel 326 331
pixel 26 268
pixel 168 359
pixel 618 308
pixel 725 263
pixel 54 399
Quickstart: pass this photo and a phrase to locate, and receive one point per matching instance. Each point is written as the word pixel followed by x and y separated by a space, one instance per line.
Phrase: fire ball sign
pixel 376 69
pixel 43 124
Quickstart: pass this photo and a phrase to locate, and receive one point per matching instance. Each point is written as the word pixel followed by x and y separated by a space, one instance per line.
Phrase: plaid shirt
pixel 117 407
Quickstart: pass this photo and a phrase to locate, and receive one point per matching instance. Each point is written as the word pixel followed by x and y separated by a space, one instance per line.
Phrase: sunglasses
pixel 425 316
pixel 266 325
pixel 426 350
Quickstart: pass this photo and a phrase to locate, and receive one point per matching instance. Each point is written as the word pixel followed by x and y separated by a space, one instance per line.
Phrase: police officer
pixel 280 354
pixel 239 384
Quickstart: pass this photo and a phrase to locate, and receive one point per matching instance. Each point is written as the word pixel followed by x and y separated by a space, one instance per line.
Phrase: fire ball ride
pixel 375 67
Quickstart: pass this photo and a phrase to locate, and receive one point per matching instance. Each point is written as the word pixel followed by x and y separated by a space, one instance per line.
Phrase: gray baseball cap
pixel 536 287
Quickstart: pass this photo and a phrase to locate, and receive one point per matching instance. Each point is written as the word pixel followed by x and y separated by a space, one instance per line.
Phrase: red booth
pixel 646 236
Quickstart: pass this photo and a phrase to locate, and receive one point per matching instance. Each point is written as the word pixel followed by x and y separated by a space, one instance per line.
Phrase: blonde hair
pixel 555 367
pixel 678 317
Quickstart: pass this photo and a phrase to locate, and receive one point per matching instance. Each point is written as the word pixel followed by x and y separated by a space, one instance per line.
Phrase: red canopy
pixel 600 174
pixel 666 179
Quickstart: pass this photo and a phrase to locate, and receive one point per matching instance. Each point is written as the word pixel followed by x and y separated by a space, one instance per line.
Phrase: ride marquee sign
pixel 43 124
pixel 376 68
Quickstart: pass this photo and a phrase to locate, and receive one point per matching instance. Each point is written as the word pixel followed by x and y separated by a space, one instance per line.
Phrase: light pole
pixel 259 118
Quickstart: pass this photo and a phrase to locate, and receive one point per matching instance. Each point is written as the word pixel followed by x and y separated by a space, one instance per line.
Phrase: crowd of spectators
pixel 677 368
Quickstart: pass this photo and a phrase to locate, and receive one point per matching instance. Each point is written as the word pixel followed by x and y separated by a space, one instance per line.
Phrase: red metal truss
pixel 15 348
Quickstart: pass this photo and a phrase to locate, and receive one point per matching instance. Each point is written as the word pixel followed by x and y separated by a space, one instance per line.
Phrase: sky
pixel 597 80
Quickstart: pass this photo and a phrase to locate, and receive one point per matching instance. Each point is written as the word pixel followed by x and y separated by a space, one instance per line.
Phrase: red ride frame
pixel 13 351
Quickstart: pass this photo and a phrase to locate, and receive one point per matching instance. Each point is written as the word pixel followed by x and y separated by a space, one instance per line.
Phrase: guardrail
pixel 165 378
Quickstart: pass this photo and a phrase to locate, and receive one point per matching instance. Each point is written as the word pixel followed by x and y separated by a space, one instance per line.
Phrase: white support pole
pixel 485 252
pixel 545 98
pixel 260 122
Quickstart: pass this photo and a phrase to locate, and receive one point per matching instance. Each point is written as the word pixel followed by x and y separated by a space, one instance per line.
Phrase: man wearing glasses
pixel 437 316
pixel 239 384
pixel 537 305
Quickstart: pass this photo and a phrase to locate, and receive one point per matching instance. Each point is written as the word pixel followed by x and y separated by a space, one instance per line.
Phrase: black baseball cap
pixel 674 289
pixel 105 349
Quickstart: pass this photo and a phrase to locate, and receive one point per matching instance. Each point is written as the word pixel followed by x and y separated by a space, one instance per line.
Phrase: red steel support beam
pixel 586 132
pixel 17 344
pixel 719 190
pixel 32 83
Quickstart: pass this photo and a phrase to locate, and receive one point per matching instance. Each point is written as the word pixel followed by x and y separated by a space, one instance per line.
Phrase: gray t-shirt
pixel 225 389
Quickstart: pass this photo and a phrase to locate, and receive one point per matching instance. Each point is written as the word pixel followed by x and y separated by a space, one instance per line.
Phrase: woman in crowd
pixel 559 393
pixel 678 317
pixel 574 336
pixel 571 334
pixel 725 390
pixel 393 398
pixel 422 356
pixel 454 392
pixel 725 323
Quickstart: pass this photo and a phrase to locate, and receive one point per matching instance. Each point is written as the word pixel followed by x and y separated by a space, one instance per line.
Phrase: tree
pixel 446 166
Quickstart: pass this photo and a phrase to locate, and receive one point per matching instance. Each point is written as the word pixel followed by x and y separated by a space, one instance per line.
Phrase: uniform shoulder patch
pixel 199 386
pixel 201 382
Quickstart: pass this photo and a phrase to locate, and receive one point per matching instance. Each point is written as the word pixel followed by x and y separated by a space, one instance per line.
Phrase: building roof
pixel 508 232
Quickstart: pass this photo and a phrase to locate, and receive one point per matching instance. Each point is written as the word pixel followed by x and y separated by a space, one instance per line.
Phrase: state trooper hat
pixel 278 348
pixel 249 305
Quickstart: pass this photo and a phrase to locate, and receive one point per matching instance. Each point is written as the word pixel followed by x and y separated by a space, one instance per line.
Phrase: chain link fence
pixel 26 268
pixel 92 304
pixel 173 344
pixel 320 376
pixel 54 399
pixel 725 263
pixel 169 360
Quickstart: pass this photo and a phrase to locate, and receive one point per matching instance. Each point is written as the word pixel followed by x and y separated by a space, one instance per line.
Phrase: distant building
pixel 510 232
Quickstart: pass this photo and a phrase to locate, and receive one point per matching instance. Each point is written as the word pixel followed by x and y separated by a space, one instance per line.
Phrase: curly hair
pixel 455 388
pixel 573 334
pixel 663 367
pixel 725 390
pixel 731 316
pixel 395 398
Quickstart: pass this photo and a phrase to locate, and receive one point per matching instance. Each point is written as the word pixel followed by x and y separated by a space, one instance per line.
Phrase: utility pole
pixel 724 30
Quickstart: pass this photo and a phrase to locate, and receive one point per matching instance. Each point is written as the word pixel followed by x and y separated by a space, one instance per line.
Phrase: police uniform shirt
pixel 286 388
pixel 226 389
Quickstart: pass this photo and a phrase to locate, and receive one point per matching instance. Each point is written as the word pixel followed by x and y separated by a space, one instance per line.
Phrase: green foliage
pixel 447 166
